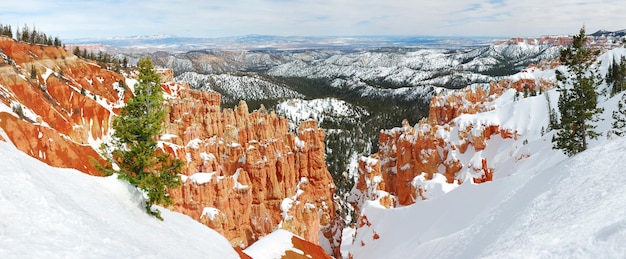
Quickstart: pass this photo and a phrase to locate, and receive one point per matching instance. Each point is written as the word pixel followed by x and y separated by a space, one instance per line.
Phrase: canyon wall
pixel 246 174
pixel 414 163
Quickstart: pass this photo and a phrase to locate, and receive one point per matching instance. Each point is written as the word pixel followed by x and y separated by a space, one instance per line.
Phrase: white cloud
pixel 105 18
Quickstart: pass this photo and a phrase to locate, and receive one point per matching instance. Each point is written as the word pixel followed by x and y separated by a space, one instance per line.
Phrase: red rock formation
pixel 68 100
pixel 309 249
pixel 409 154
pixel 246 175
pixel 261 176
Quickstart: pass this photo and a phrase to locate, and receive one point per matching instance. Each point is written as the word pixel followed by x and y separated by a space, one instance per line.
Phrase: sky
pixel 74 19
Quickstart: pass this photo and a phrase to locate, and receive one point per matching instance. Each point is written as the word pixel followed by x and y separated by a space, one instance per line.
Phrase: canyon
pixel 251 172
pixel 246 173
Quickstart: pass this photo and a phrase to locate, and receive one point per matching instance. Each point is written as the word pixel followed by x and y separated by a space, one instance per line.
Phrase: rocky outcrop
pixel 57 105
pixel 247 175
pixel 440 151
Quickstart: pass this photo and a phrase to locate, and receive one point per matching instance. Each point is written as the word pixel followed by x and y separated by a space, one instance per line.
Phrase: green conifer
pixel 578 103
pixel 616 76
pixel 619 118
pixel 138 125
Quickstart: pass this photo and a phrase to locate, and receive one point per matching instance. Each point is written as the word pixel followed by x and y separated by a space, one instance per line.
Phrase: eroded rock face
pixel 246 174
pixel 411 158
pixel 57 105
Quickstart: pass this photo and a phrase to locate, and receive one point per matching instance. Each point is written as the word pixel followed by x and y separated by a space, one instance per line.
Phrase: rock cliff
pixel 56 106
pixel 417 162
pixel 246 174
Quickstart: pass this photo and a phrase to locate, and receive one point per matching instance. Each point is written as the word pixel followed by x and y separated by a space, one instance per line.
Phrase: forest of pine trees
pixel 5 30
pixel 31 36
pixel 103 59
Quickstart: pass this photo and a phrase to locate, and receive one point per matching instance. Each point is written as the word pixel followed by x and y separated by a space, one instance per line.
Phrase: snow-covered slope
pixel 47 212
pixel 539 204
pixel 572 210
pixel 235 88
pixel 321 110
pixel 439 67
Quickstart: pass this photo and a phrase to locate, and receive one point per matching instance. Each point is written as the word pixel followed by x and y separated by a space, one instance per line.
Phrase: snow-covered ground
pixel 541 203
pixel 47 212
pixel 272 246
pixel 299 110
pixel 575 209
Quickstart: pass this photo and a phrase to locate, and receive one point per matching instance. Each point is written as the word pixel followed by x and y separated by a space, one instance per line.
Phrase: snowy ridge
pixel 421 67
pixel 235 88
pixel 540 203
pixel 60 213
pixel 573 209
pixel 320 110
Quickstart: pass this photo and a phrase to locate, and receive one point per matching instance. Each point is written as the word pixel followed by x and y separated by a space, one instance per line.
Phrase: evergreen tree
pixel 138 125
pixel 616 76
pixel 76 51
pixel 25 34
pixel 33 72
pixel 619 118
pixel 578 103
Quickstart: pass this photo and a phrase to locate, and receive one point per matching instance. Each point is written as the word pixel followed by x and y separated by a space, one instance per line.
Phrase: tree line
pixel 103 59
pixel 31 36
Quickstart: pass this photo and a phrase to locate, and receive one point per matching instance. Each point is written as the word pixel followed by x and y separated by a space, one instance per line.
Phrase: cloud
pixel 106 18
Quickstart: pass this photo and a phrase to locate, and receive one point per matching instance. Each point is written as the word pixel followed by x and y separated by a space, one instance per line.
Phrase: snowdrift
pixel 539 204
pixel 48 212
pixel 572 210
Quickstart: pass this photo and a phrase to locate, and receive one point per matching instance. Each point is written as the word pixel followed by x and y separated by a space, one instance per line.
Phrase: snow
pixel 299 143
pixel 235 88
pixel 210 212
pixel 571 210
pixel 201 178
pixel 194 143
pixel 540 204
pixel 288 202
pixel 272 246
pixel 168 137
pixel 238 185
pixel 326 109
pixel 61 213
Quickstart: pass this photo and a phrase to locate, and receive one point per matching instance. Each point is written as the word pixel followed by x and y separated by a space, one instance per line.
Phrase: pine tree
pixel 135 144
pixel 578 103
pixel 76 51
pixel 619 118
pixel 33 72
pixel 616 76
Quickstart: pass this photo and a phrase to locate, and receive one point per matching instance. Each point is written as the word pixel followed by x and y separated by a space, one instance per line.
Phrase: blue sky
pixel 70 19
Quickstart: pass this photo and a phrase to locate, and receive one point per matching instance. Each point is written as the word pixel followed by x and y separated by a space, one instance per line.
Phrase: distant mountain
pixel 266 42
pixel 620 33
